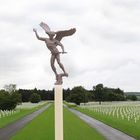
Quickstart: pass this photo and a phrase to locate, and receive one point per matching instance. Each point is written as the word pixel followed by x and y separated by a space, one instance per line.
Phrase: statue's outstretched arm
pixel 38 37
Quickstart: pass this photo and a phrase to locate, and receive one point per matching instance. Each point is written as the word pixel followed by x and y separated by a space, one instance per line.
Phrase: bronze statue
pixel 52 42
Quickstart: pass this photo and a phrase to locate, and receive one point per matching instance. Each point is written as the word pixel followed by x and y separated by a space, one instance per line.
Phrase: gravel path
pixel 108 132
pixel 8 131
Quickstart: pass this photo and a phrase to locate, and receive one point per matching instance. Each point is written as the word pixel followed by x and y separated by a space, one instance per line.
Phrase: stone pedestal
pixel 58 112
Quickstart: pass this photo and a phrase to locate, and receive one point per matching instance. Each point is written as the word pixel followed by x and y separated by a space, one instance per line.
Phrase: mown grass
pixel 42 128
pixel 4 121
pixel 76 129
pixel 130 128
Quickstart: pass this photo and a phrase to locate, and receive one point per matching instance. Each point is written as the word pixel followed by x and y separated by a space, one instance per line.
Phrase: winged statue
pixel 52 42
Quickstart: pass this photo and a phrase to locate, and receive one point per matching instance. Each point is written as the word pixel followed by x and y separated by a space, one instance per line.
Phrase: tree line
pixel 10 96
pixel 81 95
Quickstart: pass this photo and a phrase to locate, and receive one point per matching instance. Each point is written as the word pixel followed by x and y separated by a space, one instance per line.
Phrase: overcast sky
pixel 105 49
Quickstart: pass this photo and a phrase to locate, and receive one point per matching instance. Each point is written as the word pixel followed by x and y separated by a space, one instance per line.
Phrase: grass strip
pixel 4 121
pixel 76 129
pixel 40 128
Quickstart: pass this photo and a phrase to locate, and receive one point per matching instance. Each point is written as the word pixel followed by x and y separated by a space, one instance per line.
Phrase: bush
pixel 7 102
pixel 35 98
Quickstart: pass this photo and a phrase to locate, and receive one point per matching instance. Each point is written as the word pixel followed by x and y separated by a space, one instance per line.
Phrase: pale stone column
pixel 58 112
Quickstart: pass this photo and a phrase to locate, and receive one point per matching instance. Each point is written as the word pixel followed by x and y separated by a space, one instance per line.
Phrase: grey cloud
pixel 12 18
pixel 127 3
pixel 64 8
pixel 124 37
pixel 116 33
pixel 103 49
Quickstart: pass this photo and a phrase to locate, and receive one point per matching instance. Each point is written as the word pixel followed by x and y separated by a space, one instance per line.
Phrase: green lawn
pixel 76 129
pixel 23 112
pixel 42 128
pixel 125 126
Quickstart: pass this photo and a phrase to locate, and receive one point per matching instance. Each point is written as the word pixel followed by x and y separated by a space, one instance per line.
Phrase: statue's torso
pixel 51 45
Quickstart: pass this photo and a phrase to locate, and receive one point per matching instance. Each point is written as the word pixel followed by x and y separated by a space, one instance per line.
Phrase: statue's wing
pixel 45 27
pixel 61 34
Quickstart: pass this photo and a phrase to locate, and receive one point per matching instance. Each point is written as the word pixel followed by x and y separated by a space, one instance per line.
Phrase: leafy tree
pixel 45 94
pixel 11 88
pixel 66 93
pixel 118 91
pixel 132 97
pixel 9 97
pixel 25 95
pixel 78 95
pixel 35 98
pixel 7 101
pixel 17 97
pixel 111 96
pixel 98 91
pixel 107 94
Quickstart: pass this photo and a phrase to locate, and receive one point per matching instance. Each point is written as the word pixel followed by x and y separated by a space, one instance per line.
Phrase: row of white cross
pixel 7 113
pixel 128 110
